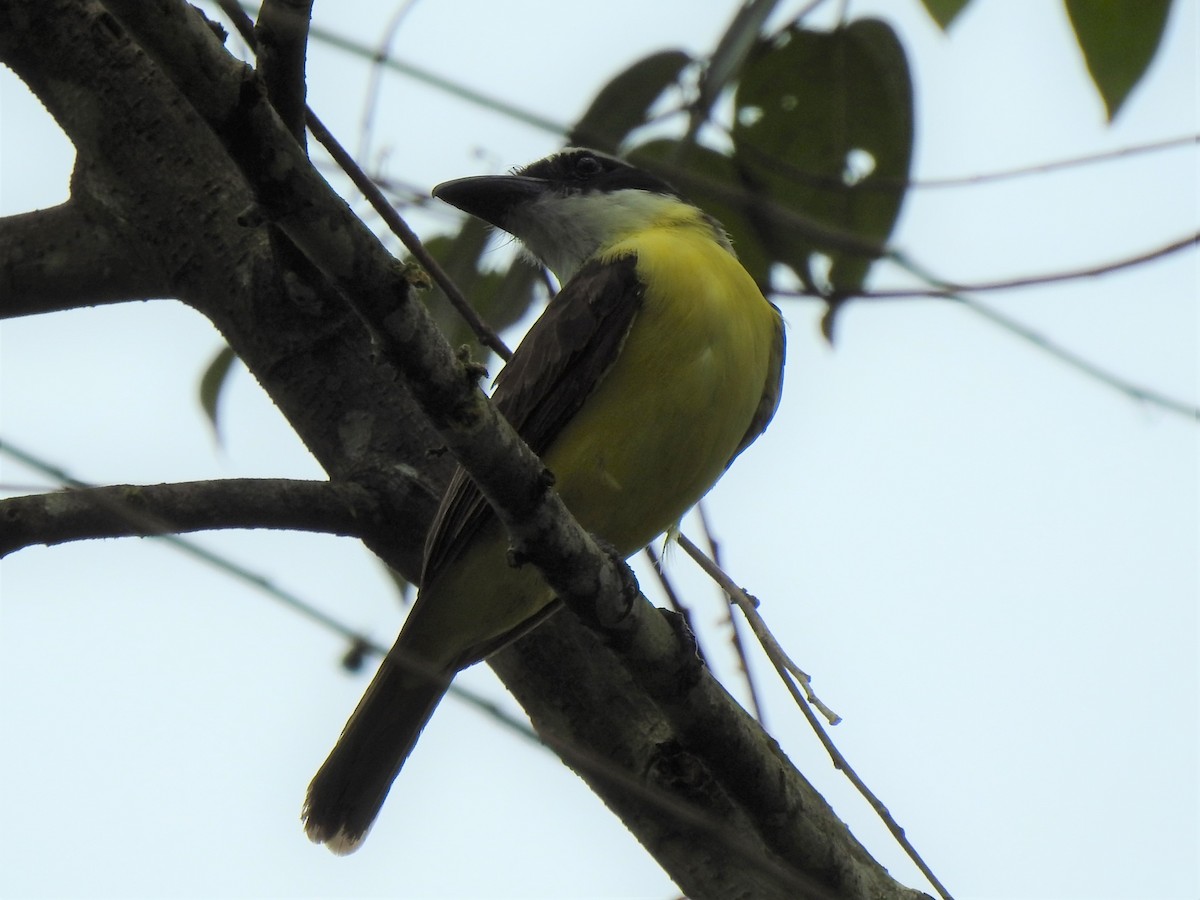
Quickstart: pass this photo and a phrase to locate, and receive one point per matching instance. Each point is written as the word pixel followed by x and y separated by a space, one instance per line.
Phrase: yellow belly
pixel 658 431
pixel 650 441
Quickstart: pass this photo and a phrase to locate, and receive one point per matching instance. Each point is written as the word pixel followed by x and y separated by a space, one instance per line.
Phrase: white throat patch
pixel 563 232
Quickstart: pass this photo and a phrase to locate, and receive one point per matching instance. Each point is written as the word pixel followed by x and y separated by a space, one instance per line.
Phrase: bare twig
pixel 1072 359
pixel 1073 162
pixel 138 510
pixel 282 36
pixel 371 98
pixel 739 646
pixel 946 290
pixel 789 674
pixel 746 601
pixel 942 288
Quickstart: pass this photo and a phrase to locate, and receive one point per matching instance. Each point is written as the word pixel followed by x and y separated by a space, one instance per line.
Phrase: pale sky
pixel 987 560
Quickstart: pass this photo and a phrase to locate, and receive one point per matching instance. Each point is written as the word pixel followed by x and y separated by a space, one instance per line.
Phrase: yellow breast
pixel 660 428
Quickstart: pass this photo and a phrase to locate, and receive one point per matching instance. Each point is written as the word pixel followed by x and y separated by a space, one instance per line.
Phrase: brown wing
pixel 771 390
pixel 555 368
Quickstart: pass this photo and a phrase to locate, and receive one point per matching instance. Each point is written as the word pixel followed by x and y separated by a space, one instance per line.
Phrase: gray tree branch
pixel 128 510
pixel 65 257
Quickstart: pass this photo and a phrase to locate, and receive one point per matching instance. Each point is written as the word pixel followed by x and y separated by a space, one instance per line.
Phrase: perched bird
pixel 657 363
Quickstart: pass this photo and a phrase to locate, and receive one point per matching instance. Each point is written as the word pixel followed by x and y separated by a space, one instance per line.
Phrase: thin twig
pixel 790 674
pixel 1073 162
pixel 486 335
pixel 739 646
pixel 1072 359
pixel 375 83
pixel 943 288
pixel 946 290
pixel 745 601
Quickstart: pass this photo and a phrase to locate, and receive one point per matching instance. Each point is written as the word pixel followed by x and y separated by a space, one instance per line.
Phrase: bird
pixel 655 365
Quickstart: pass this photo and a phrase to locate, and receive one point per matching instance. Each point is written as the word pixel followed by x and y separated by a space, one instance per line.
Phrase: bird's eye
pixel 588 167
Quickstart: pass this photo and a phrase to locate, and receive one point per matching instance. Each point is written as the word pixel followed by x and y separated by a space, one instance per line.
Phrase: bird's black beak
pixel 490 197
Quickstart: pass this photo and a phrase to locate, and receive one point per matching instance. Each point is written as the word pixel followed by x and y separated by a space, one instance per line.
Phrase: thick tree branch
pixel 128 510
pixel 67 257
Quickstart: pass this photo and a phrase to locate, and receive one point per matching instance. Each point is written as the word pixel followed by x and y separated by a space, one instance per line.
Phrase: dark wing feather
pixel 554 370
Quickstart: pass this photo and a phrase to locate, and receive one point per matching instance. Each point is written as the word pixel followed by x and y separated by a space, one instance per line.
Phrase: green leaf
pixel 944 11
pixel 823 138
pixel 212 382
pixel 1119 39
pixel 623 104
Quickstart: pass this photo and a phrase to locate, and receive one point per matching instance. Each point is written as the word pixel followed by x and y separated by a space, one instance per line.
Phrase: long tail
pixel 347 792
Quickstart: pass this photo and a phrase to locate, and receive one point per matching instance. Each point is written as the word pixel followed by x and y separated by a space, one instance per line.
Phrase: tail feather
pixel 347 792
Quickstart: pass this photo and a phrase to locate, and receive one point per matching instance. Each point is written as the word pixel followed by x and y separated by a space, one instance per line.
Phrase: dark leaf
pixel 944 11
pixel 1119 39
pixel 212 382
pixel 623 103
pixel 823 141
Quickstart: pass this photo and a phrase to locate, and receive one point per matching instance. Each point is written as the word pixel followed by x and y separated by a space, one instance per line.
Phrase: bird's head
pixel 567 207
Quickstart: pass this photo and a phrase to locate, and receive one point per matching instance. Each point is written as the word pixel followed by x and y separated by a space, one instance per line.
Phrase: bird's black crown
pixel 583 171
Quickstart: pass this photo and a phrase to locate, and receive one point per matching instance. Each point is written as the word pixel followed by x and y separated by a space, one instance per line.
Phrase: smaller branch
pixel 885 184
pixel 374 85
pixel 485 334
pixel 942 288
pixel 739 646
pixel 745 601
pixel 1073 162
pixel 946 290
pixel 360 643
pixel 282 36
pixel 64 258
pixel 1074 360
pixel 128 510
pixel 789 674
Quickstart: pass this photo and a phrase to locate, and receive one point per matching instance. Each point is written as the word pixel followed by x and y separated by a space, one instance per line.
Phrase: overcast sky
pixel 987 560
